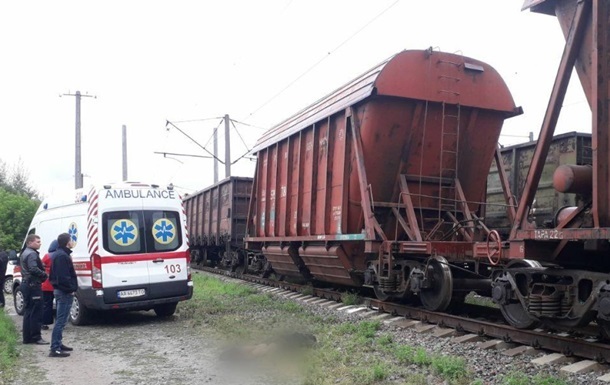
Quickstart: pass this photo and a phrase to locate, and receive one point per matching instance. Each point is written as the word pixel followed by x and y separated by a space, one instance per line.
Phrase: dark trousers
pixel 32 316
pixel 2 301
pixel 47 307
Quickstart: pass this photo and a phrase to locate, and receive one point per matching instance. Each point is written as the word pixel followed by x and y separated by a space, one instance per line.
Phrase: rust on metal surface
pixel 552 114
pixel 381 159
pixel 570 178
pixel 218 214
pixel 600 66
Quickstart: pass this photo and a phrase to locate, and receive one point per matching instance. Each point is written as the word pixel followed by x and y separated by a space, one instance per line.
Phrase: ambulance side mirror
pixel 12 255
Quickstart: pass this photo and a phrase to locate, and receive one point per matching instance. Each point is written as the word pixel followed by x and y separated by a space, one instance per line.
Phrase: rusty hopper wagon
pixel 560 275
pixel 216 219
pixel 379 184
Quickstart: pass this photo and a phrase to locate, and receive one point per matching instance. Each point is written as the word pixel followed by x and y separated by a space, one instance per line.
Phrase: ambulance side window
pixel 163 232
pixel 123 232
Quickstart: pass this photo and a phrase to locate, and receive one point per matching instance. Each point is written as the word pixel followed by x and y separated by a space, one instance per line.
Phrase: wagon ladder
pixel 450 135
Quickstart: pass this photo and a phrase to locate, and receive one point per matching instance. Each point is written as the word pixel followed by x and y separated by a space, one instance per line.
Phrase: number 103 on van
pixel 173 269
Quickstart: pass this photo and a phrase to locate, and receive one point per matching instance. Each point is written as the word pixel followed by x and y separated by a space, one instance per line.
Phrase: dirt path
pixel 132 348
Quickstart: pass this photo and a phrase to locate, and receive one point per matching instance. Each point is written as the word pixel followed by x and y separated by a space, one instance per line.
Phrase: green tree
pixel 18 203
pixel 17 180
pixel 16 213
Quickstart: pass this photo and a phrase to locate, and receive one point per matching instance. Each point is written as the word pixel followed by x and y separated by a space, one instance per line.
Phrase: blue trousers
pixel 63 301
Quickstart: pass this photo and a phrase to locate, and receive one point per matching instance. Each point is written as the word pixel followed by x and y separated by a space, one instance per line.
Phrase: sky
pixel 191 62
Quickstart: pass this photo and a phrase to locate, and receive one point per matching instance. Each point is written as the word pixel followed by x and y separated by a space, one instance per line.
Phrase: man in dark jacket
pixel 33 275
pixel 63 279
pixel 3 265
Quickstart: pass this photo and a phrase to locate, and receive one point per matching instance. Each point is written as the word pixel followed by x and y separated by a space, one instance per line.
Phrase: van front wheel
pixel 79 314
pixel 8 284
pixel 165 310
pixel 18 300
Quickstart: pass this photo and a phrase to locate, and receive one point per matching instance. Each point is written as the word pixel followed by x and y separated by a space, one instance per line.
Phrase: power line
pixel 250 125
pixel 179 154
pixel 215 131
pixel 240 137
pixel 167 122
pixel 197 120
pixel 321 60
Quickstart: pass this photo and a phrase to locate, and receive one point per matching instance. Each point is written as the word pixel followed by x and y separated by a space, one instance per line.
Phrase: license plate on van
pixel 131 293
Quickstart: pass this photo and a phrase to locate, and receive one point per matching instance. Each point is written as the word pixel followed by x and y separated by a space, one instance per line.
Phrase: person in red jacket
pixel 47 289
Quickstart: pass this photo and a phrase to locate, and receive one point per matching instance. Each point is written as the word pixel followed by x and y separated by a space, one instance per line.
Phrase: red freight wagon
pixel 216 219
pixel 379 183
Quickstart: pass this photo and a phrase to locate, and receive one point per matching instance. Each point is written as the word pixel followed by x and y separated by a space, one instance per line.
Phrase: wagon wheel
pixel 604 327
pixel 241 269
pixel 513 312
pixel 242 264
pixel 381 295
pixel 438 296
pixel 577 322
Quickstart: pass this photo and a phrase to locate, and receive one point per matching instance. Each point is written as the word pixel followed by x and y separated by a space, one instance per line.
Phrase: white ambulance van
pixel 131 248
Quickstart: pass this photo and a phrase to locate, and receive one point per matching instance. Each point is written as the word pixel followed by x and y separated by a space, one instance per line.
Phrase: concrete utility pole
pixel 227 147
pixel 78 174
pixel 124 153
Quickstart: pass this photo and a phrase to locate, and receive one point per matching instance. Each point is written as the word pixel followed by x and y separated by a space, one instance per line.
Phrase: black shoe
pixel 45 327
pixel 58 353
pixel 65 348
pixel 41 342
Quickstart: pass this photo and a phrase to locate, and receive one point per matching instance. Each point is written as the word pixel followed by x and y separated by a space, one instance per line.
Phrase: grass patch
pixel 345 353
pixel 307 290
pixel 475 299
pixel 350 298
pixel 370 374
pixel 450 368
pixel 523 379
pixel 8 344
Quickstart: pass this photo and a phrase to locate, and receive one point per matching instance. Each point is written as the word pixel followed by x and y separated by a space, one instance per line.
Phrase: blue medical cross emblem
pixel 164 231
pixel 73 231
pixel 124 232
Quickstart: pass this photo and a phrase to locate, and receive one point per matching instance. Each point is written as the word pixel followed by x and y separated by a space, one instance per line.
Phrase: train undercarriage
pixel 237 260
pixel 433 281
pixel 530 294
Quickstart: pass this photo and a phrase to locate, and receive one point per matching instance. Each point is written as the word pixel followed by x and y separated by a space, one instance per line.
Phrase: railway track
pixel 582 345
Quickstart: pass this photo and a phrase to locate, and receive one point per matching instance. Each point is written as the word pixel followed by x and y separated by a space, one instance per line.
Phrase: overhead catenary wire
pixel 193 140
pixel 320 61
pixel 250 125
pixel 215 131
pixel 197 120
pixel 238 134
